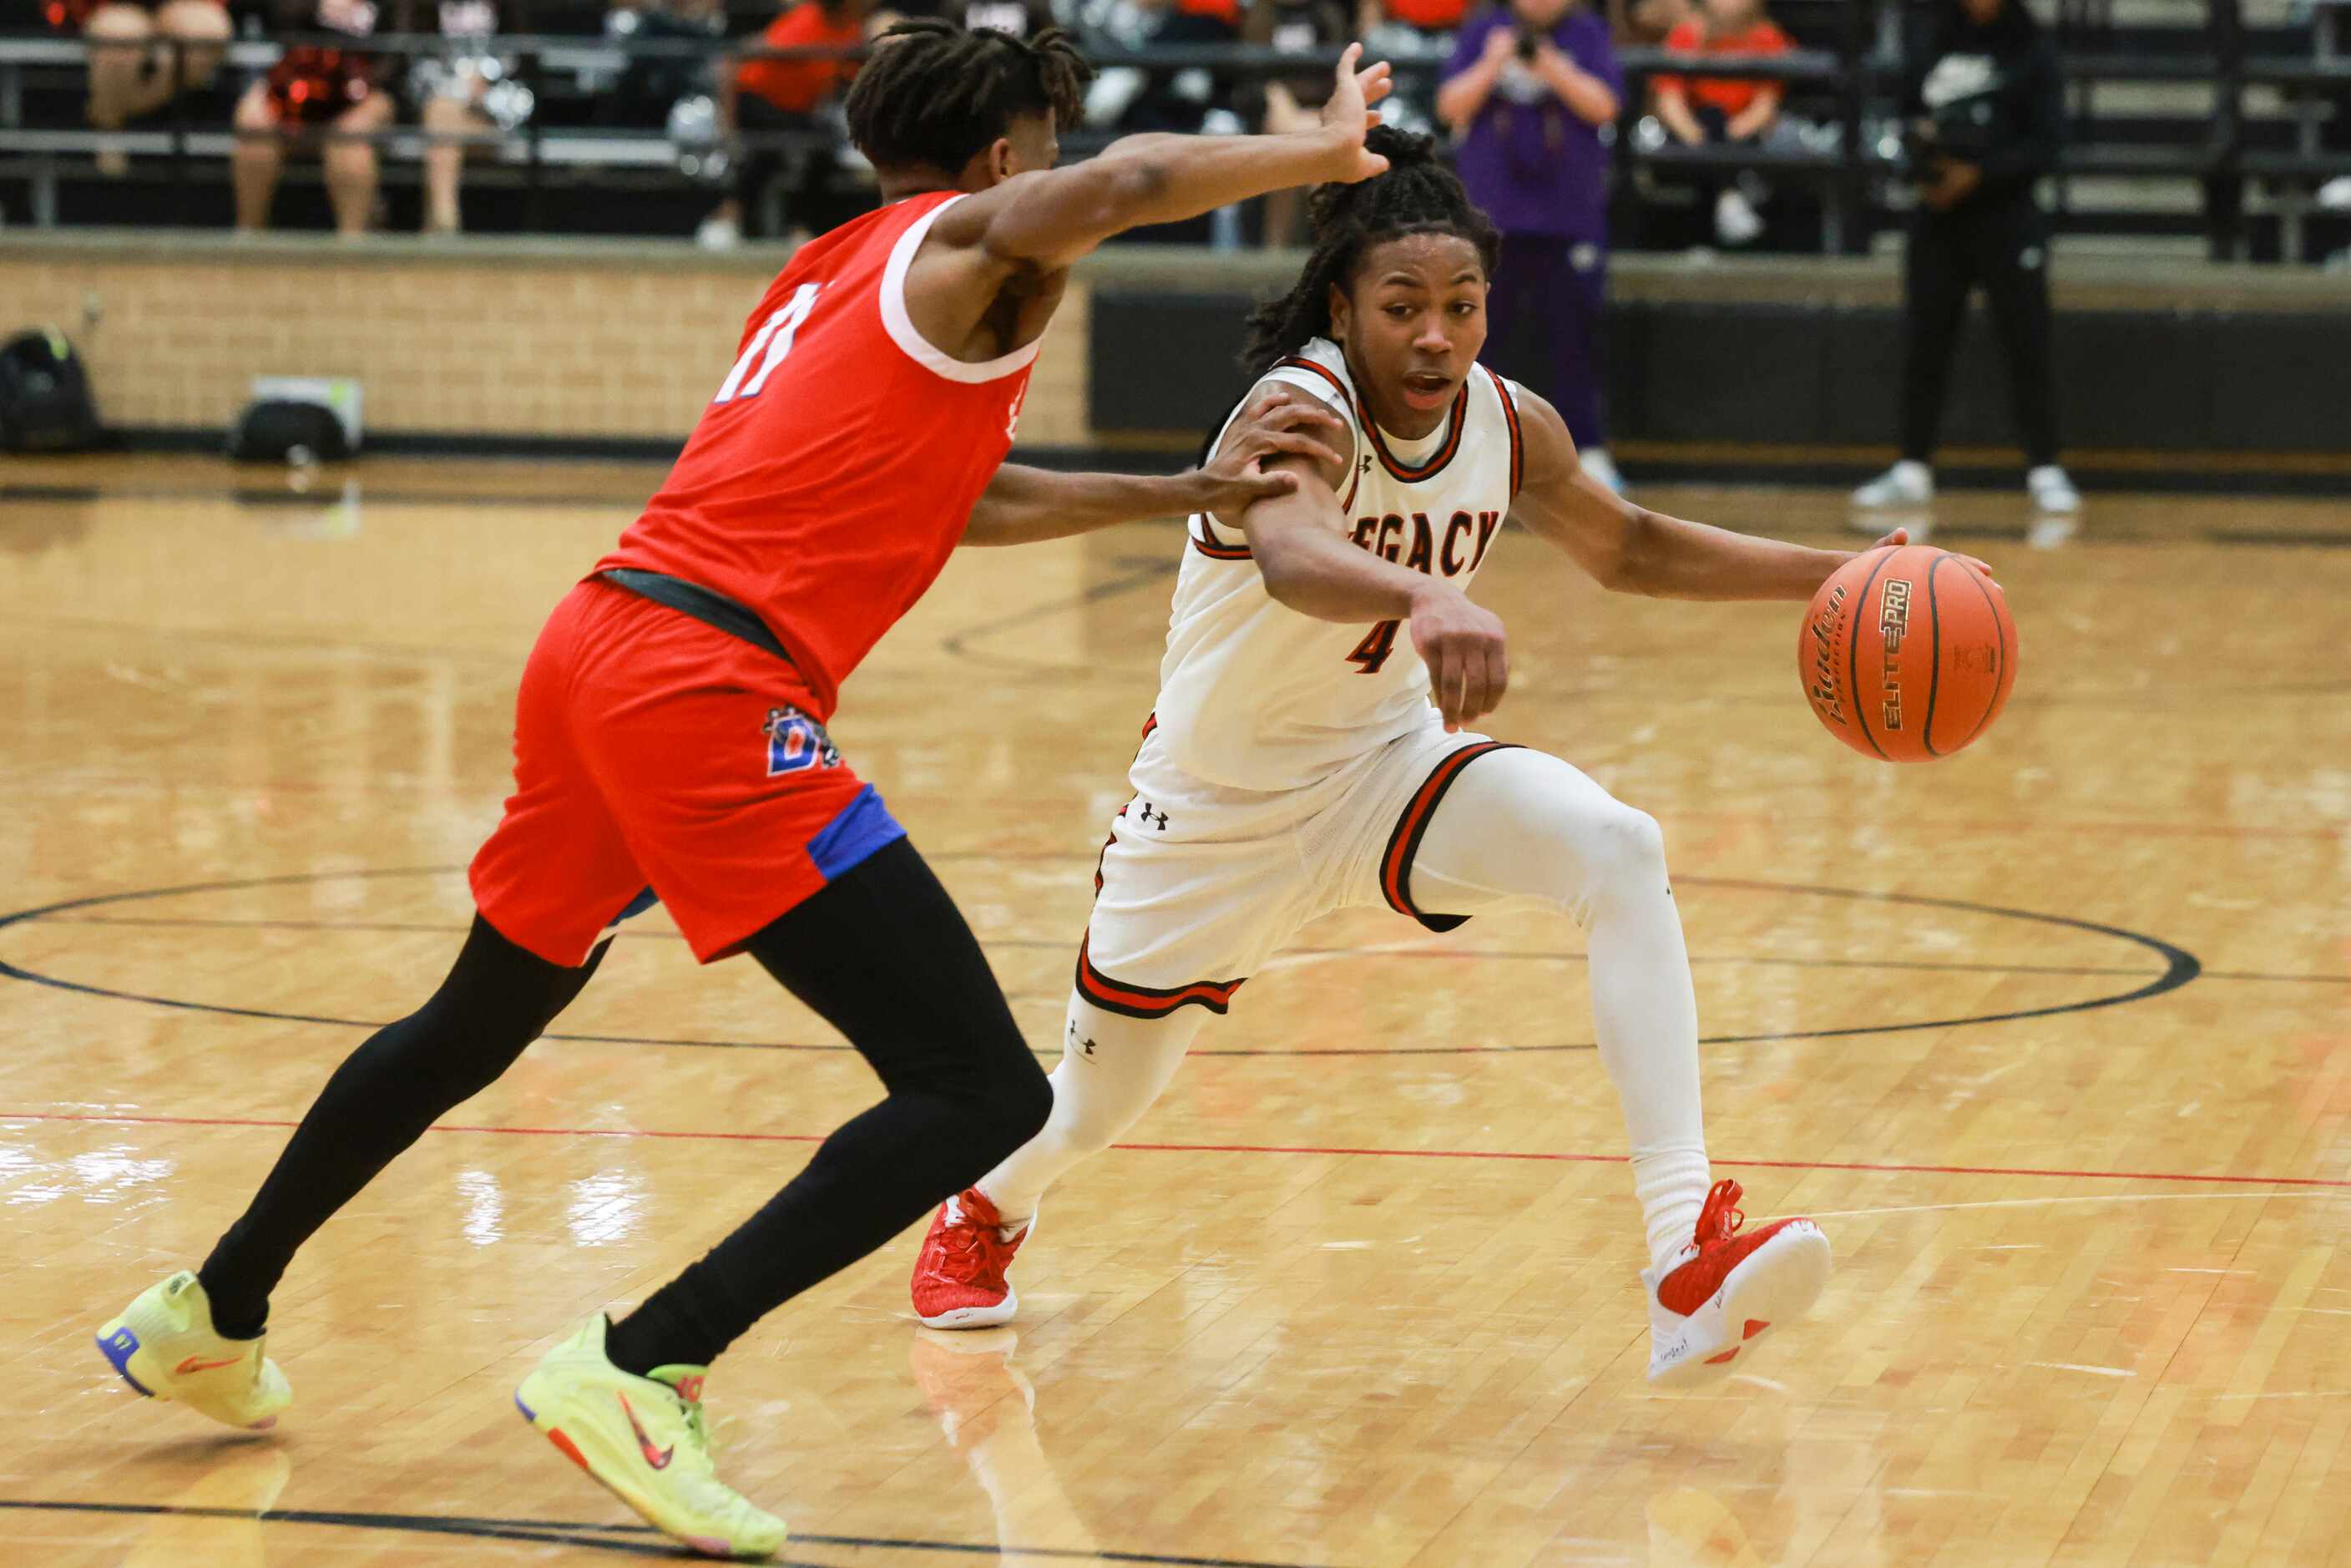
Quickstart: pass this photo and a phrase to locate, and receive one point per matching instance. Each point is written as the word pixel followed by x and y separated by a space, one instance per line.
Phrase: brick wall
pixel 606 342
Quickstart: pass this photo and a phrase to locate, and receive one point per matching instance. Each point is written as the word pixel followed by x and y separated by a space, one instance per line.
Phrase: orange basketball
pixel 1907 653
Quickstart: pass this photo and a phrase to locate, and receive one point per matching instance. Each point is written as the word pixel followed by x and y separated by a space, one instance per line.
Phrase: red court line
pixel 1883 1167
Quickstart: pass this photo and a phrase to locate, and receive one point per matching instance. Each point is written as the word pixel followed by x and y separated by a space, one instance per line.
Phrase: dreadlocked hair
pixel 932 95
pixel 1417 195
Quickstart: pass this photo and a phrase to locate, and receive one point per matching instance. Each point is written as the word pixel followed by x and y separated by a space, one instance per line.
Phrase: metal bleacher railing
pixel 1847 92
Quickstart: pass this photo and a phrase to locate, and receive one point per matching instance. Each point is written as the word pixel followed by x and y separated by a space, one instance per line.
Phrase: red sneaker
pixel 959 1277
pixel 1724 1289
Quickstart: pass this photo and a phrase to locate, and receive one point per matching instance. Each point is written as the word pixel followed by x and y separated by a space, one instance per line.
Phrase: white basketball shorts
pixel 1200 883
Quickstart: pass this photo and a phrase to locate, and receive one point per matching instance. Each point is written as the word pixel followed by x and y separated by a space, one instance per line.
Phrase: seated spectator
pixel 1127 99
pixel 767 96
pixel 1647 22
pixel 1295 102
pixel 144 56
pixel 650 87
pixel 316 90
pixel 1700 112
pixel 461 96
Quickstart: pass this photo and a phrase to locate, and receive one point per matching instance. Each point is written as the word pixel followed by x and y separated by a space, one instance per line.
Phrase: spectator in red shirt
pixel 1429 16
pixel 1699 112
pixel 766 95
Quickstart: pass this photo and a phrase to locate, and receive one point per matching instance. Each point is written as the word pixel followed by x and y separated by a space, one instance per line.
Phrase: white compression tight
pixel 1517 827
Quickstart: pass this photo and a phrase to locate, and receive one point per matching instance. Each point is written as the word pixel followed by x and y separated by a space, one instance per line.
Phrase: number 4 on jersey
pixel 768 346
pixel 1372 652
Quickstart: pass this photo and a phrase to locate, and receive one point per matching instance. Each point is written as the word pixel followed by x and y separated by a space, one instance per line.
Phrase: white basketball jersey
pixel 1253 695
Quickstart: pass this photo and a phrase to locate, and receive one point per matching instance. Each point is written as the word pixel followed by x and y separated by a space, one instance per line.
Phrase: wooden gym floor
pixel 2054 1038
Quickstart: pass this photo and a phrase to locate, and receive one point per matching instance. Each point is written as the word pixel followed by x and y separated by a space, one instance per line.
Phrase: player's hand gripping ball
pixel 1907 653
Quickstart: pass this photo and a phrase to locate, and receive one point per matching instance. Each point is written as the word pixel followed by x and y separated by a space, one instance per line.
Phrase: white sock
pixel 1519 824
pixel 1098 1095
pixel 1671 1185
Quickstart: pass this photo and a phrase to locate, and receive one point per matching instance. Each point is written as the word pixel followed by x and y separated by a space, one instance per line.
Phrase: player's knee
pixel 997 1081
pixel 112 24
pixel 1029 1105
pixel 1625 851
pixel 1010 1108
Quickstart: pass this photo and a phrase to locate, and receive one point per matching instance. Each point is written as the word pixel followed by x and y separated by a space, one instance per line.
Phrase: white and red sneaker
pixel 959 1280
pixel 1723 1290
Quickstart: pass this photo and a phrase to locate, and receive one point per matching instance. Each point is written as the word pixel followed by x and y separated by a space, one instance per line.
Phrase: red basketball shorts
pixel 657 756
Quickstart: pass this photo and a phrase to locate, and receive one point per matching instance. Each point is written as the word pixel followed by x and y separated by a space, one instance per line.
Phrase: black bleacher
pixel 2245 166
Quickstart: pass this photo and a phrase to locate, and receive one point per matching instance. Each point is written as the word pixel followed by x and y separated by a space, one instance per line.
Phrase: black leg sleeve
pixel 885 957
pixel 1935 284
pixel 497 1000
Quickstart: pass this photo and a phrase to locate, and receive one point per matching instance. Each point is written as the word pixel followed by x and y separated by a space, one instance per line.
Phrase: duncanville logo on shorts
pixel 796 741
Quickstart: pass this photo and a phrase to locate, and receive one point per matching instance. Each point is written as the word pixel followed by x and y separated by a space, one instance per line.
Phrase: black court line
pixel 632 1540
pixel 2181 967
pixel 1136 572
pixel 1496 954
pixel 2277 979
pixel 589 1536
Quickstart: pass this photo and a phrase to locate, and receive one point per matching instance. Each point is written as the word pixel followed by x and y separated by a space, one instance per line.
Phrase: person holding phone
pixel 1531 85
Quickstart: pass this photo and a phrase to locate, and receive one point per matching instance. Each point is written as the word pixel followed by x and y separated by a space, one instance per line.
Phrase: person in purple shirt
pixel 1530 86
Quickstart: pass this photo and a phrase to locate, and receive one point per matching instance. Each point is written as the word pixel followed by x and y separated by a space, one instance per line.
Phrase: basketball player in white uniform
pixel 1309 752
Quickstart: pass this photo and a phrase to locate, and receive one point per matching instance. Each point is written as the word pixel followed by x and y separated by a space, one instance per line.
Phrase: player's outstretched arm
pixel 1631 549
pixel 1023 506
pixel 1301 547
pixel 1049 219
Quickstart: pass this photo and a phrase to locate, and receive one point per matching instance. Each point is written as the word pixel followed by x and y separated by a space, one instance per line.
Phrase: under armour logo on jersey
pixel 796 741
pixel 1365 465
pixel 1080 1041
pixel 1151 818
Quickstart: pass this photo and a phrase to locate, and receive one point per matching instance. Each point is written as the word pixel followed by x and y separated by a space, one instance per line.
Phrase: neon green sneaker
pixel 644 1439
pixel 166 1346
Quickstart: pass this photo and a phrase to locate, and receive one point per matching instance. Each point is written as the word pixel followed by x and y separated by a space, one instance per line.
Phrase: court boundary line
pixel 2181 967
pixel 1548 1156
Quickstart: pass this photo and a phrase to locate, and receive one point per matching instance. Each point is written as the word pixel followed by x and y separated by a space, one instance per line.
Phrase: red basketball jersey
pixel 832 475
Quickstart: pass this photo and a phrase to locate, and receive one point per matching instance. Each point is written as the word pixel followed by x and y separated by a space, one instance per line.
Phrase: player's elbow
pixel 998 520
pixel 1628 564
pixel 1289 579
pixel 1132 185
pixel 1083 206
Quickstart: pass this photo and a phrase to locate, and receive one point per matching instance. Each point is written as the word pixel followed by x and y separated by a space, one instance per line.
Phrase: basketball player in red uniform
pixel 670 741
